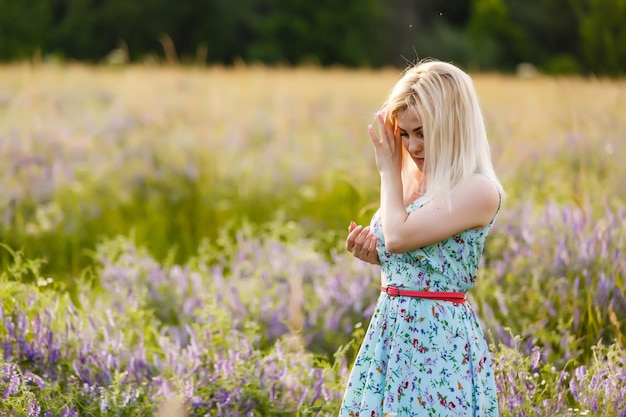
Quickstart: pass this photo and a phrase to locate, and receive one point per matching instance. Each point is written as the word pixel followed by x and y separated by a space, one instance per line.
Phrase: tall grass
pixel 172 153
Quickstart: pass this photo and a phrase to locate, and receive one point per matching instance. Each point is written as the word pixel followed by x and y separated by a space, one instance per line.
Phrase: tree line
pixel 557 36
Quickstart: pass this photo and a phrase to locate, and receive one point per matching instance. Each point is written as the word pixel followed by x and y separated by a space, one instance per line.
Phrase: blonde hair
pixel 456 145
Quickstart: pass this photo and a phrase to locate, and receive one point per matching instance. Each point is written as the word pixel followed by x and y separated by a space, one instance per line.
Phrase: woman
pixel 424 353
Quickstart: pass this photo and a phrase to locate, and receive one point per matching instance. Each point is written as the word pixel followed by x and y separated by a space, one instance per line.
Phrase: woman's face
pixel 412 135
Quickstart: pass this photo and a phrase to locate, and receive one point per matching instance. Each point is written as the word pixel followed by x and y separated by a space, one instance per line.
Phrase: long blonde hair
pixel 456 145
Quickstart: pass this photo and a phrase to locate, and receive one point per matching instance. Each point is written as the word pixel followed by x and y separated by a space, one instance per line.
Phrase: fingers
pixel 373 136
pixel 389 129
pixel 380 122
pixel 368 251
pixel 382 130
pixel 371 244
pixel 352 235
pixel 386 129
pixel 360 241
pixel 362 238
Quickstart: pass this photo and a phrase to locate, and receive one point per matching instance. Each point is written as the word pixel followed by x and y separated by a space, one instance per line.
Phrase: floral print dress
pixel 424 357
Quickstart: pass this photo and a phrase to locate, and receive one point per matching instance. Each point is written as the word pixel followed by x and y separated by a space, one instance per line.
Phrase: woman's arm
pixel 474 203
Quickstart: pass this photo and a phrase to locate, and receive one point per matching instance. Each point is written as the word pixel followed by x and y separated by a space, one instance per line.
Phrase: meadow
pixel 172 240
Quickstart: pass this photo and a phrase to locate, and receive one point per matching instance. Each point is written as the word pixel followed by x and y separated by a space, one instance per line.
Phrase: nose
pixel 416 145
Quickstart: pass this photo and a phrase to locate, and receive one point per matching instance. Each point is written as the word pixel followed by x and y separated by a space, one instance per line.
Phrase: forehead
pixel 409 119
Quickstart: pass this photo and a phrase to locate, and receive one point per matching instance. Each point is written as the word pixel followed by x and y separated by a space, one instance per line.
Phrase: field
pixel 172 240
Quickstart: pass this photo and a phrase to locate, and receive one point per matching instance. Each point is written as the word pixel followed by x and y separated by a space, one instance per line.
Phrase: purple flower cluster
pixel 17 398
pixel 558 274
pixel 282 287
pixel 158 332
pixel 234 333
pixel 527 387
pixel 30 339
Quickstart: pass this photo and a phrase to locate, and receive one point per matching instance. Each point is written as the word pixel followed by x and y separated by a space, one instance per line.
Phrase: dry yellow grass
pixel 267 126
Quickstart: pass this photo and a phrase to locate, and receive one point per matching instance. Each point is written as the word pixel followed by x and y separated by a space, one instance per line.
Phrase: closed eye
pixel 419 131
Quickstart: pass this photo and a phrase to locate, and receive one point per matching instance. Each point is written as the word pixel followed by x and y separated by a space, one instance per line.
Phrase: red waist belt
pixel 454 297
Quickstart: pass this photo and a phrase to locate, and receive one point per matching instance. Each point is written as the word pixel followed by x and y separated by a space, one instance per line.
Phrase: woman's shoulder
pixel 482 184
pixel 488 180
pixel 481 194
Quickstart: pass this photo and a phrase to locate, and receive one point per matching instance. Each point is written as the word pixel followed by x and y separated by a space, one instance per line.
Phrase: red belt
pixel 454 297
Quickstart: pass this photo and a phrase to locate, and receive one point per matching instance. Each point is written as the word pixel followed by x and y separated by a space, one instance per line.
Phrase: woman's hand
pixel 361 242
pixel 388 149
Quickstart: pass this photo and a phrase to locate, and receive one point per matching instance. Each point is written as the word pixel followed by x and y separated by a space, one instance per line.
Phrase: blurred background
pixel 554 36
pixel 177 179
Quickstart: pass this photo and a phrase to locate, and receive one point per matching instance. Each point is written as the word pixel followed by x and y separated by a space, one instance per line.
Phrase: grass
pixel 173 153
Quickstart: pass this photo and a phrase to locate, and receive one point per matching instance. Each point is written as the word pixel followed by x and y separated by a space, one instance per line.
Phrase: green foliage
pixel 495 32
pixel 193 214
pixel 24 26
pixel 218 361
pixel 323 32
pixel 527 381
pixel 558 36
pixel 57 396
pixel 562 64
pixel 603 35
pixel 550 28
pixel 273 380
pixel 449 43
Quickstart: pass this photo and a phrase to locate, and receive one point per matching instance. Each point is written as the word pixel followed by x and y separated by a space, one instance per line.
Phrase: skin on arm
pixel 474 203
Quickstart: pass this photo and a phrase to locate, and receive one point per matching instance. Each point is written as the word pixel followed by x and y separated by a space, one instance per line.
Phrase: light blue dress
pixel 422 357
